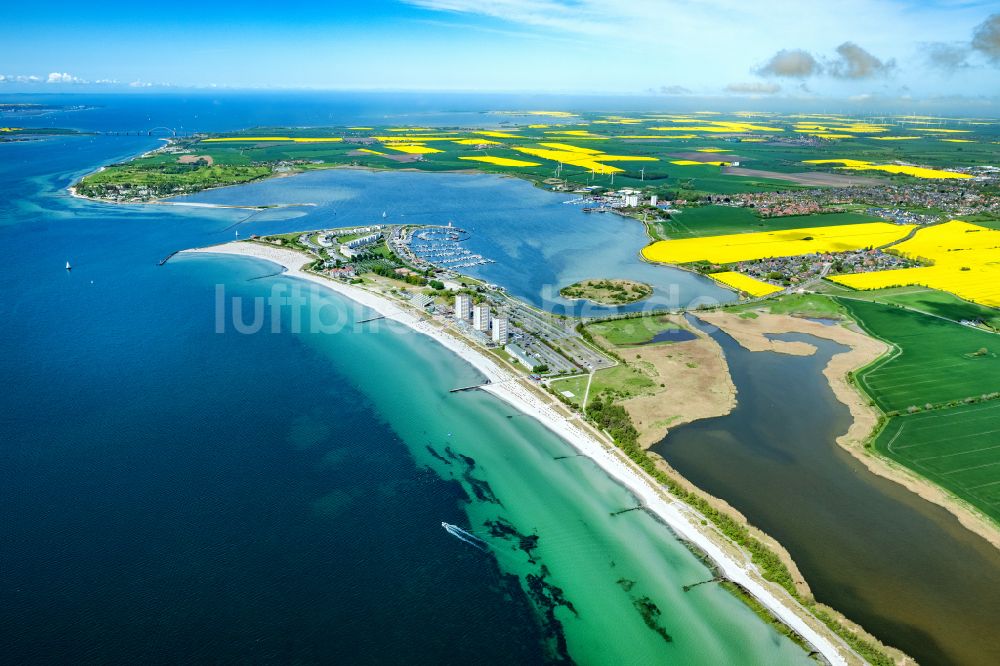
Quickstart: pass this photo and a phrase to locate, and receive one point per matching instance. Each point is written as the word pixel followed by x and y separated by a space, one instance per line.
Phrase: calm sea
pixel 170 493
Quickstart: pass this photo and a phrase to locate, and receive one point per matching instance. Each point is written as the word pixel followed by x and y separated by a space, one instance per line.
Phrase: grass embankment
pixel 608 292
pixel 939 388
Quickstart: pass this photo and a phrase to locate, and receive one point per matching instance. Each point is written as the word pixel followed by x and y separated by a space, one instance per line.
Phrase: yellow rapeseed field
pixel 918 172
pixel 827 135
pixel 852 127
pixel 696 163
pixel 412 148
pixel 581 157
pixel 579 134
pixel 415 138
pixel 498 135
pixel 745 283
pixel 477 142
pixel 895 138
pixel 965 257
pixel 297 139
pixel 723 126
pixel 732 248
pixel 502 161
pixel 660 136
pixel 369 150
pixel 572 149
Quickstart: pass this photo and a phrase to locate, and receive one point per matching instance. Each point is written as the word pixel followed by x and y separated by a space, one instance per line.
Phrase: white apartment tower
pixel 463 307
pixel 500 334
pixel 481 317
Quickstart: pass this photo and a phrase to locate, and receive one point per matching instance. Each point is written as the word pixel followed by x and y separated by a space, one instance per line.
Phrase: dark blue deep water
pixel 174 494
pixel 161 485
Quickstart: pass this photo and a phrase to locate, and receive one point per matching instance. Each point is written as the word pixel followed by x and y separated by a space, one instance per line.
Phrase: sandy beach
pixel 732 562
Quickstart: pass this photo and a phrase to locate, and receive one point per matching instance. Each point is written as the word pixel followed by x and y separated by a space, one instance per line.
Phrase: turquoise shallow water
pixel 170 493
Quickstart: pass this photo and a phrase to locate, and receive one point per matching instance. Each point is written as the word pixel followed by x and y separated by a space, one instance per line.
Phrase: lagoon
pixel 903 568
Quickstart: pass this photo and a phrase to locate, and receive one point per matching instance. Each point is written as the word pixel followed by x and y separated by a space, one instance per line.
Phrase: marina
pixel 440 246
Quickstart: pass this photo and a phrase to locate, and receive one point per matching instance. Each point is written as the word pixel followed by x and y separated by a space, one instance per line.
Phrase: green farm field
pixel 719 220
pixel 929 301
pixel 687 156
pixel 934 361
pixel 957 448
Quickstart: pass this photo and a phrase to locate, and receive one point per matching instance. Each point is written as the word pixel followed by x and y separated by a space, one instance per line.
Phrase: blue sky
pixel 837 49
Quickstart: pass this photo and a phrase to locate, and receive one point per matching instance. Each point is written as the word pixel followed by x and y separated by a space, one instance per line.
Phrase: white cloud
pixel 854 62
pixel 711 42
pixel 140 84
pixel 18 78
pixel 63 77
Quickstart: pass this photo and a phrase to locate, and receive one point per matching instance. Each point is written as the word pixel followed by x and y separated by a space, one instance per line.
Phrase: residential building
pixel 500 333
pixel 463 307
pixel 481 317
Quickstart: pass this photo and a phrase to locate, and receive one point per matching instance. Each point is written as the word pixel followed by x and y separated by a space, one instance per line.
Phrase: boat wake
pixel 467 537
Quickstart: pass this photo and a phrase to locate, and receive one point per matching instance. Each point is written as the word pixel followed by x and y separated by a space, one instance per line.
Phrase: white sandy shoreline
pixel 682 519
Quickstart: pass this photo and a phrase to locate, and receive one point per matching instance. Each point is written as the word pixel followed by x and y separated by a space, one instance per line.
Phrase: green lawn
pixel 635 331
pixel 958 448
pixel 934 361
pixel 619 382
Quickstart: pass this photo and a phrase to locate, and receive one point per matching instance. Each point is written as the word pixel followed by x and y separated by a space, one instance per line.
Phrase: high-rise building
pixel 500 334
pixel 481 317
pixel 463 307
pixel 653 200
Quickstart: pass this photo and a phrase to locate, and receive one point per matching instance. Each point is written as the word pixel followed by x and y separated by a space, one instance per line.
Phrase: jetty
pixel 469 388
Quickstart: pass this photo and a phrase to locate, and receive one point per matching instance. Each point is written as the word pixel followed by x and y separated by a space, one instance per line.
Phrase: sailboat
pixel 384 215
pixel 68 267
